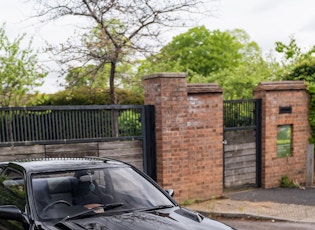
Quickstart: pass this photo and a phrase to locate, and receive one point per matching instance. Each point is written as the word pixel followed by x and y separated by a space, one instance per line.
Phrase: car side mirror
pixel 170 192
pixel 11 212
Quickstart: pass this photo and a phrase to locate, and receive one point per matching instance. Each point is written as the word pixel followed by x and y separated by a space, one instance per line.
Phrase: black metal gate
pixel 242 143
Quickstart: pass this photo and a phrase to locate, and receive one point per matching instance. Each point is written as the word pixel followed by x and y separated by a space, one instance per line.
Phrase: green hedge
pixel 96 96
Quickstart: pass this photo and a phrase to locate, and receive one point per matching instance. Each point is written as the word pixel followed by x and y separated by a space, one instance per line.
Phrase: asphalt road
pixel 242 224
pixel 278 195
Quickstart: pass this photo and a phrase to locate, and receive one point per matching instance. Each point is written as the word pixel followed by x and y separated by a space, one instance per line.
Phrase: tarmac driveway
pixel 278 195
pixel 288 204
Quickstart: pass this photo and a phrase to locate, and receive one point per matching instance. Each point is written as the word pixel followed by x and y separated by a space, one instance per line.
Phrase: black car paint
pixel 166 219
pixel 161 218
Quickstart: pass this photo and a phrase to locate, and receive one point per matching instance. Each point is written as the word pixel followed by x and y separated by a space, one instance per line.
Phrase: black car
pixel 88 193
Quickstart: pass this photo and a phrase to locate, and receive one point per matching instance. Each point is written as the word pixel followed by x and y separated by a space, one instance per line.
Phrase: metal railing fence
pixel 240 114
pixel 69 124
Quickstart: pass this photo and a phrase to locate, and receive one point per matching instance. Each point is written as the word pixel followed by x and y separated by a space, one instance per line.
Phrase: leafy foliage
pixel 117 30
pixel 92 77
pixel 19 70
pixel 311 91
pixel 129 123
pixel 197 51
pixel 238 113
pixel 290 51
pixel 302 68
pixel 86 76
pixel 306 71
pixel 286 182
pixel 95 96
pixel 203 51
pixel 228 58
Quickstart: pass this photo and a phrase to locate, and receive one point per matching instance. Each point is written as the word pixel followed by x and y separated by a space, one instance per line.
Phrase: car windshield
pixel 68 194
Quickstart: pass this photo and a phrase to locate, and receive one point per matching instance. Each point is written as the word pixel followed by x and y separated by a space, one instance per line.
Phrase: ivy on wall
pixel 311 91
pixel 305 71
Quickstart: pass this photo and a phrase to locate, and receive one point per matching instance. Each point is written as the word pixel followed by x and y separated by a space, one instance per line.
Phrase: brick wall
pixel 275 95
pixel 189 129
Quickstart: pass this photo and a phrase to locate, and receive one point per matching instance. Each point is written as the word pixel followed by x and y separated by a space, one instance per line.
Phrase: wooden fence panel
pixel 128 151
pixel 240 158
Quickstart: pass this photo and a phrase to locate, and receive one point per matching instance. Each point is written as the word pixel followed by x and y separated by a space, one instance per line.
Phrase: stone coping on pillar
pixel 204 88
pixel 280 85
pixel 165 75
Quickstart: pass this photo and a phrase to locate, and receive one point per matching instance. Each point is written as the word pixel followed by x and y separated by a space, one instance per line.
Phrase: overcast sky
pixel 266 21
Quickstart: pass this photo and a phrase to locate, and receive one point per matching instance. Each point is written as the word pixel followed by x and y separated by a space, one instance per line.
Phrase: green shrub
pixel 95 96
pixel 129 123
pixel 305 71
pixel 286 182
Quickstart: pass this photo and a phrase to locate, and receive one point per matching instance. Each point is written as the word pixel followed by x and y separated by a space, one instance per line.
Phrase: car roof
pixel 61 164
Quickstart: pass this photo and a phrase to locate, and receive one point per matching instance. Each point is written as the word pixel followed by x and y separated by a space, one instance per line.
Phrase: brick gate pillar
pixel 284 107
pixel 189 129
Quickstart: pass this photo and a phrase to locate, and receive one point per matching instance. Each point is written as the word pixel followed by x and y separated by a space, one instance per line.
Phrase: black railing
pixel 69 124
pixel 240 114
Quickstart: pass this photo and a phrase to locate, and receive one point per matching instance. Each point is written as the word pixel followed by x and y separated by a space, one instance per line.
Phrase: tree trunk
pixel 115 128
pixel 111 83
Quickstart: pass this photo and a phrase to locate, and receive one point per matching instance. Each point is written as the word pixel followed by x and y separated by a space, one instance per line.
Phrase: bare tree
pixel 118 29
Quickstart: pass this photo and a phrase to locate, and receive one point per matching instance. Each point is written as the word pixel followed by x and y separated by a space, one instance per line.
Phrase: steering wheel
pixel 54 203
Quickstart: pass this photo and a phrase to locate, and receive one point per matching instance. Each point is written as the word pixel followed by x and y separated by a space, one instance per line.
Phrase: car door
pixel 12 192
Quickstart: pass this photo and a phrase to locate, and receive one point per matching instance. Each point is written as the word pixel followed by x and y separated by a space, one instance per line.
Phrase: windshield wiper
pixel 92 211
pixel 88 212
pixel 112 206
pixel 163 206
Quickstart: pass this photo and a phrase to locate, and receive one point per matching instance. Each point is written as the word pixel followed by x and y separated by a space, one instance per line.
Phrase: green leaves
pixel 203 51
pixel 129 123
pixel 291 51
pixel 301 67
pixel 97 96
pixel 19 70
pixel 228 58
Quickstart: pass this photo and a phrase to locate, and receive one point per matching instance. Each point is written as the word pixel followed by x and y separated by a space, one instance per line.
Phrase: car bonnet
pixel 167 219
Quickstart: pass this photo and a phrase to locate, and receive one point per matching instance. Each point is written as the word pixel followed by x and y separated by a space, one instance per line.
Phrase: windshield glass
pixel 65 194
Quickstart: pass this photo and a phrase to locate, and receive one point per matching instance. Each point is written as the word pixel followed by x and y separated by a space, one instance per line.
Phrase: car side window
pixel 12 189
pixel 12 192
